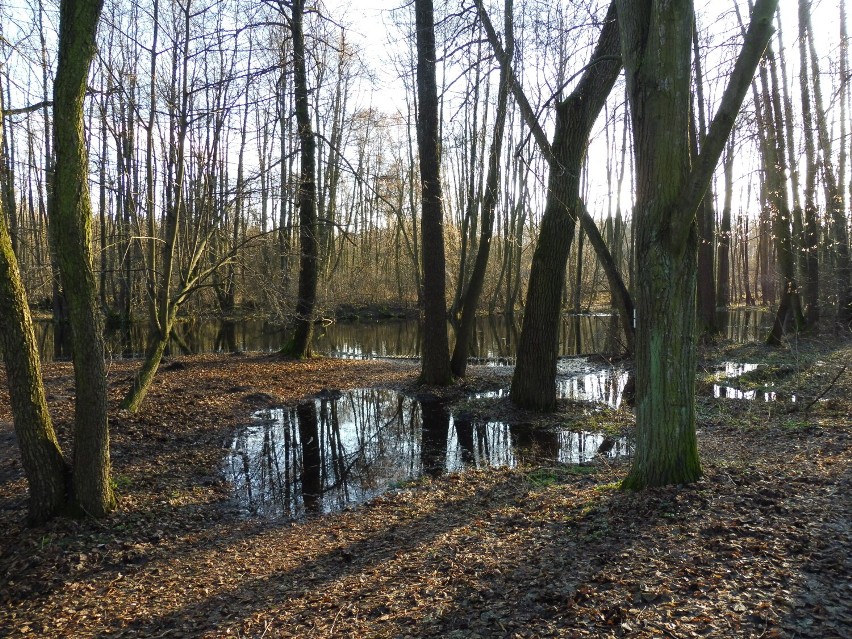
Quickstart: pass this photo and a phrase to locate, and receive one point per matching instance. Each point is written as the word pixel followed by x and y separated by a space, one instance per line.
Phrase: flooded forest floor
pixel 760 547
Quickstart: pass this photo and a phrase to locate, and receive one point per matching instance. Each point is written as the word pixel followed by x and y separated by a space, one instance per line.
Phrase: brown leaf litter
pixel 758 548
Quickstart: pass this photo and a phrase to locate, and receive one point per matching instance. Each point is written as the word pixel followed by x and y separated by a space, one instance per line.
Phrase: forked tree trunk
pixel 162 305
pixel 533 383
pixel 70 226
pixel 656 37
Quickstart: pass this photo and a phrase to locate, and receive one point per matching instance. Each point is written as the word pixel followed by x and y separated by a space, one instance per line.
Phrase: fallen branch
pixel 823 393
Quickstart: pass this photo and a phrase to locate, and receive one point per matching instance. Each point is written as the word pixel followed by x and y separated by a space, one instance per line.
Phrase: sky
pixel 371 24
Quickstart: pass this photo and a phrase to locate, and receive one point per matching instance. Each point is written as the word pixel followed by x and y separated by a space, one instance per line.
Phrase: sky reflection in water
pixel 346 448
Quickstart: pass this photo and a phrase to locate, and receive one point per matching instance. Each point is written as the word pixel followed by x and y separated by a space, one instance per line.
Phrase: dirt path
pixel 759 548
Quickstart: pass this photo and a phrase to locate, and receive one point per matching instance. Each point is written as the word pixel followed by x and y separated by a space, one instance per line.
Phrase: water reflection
pixel 601 386
pixel 732 370
pixel 345 448
pixel 495 338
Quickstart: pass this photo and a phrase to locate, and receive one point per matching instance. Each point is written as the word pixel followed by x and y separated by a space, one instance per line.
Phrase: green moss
pixel 547 476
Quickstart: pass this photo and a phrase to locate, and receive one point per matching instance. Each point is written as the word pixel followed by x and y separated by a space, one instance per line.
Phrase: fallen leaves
pixel 759 548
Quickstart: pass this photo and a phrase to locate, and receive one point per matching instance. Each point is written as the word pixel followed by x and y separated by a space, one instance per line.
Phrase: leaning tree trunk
pixel 618 289
pixel 533 381
pixel 470 299
pixel 70 226
pixel 44 466
pixel 656 39
pixel 161 269
pixel 436 349
pixel 533 384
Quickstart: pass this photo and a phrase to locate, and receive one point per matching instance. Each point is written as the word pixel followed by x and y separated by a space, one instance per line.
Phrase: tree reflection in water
pixel 435 433
pixel 340 449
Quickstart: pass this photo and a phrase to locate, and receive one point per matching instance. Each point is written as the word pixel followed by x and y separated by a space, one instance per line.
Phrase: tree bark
pixel 300 344
pixel 723 248
pixel 44 466
pixel 835 213
pixel 775 163
pixel 533 384
pixel 470 299
pixel 70 226
pixel 706 215
pixel 656 37
pixel 436 350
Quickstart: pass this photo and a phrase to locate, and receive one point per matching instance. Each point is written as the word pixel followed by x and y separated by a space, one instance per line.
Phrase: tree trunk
pixel 436 350
pixel 656 37
pixel 618 289
pixel 300 344
pixel 775 163
pixel 656 47
pixel 835 213
pixel 44 466
pixel 470 300
pixel 162 306
pixel 70 225
pixel 706 215
pixel 723 249
pixel 533 383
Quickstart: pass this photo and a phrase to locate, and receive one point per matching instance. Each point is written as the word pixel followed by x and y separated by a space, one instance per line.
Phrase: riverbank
pixel 759 548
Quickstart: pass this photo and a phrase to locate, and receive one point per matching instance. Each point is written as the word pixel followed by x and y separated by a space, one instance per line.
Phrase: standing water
pixel 495 338
pixel 345 448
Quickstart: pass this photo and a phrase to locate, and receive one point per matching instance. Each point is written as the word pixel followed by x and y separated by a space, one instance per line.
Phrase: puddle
pixel 599 386
pixel 732 370
pixel 345 448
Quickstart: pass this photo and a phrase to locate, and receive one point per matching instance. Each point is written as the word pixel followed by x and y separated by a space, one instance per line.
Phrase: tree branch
pixel 517 90
pixel 760 30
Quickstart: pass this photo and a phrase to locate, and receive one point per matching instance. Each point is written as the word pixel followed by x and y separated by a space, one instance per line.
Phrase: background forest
pixel 191 116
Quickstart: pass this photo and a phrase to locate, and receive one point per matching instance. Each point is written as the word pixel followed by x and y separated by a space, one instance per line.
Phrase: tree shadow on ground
pixel 259 593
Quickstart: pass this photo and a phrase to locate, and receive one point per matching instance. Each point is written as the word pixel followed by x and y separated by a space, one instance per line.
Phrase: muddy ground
pixel 760 547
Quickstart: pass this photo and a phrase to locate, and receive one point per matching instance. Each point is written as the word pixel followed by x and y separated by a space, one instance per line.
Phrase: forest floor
pixel 760 547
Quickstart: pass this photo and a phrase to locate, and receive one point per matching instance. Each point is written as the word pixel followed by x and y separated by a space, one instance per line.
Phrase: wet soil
pixel 760 547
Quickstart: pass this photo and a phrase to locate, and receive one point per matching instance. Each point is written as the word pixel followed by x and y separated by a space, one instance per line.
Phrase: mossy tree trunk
pixel 70 226
pixel 44 466
pixel 656 41
pixel 655 38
